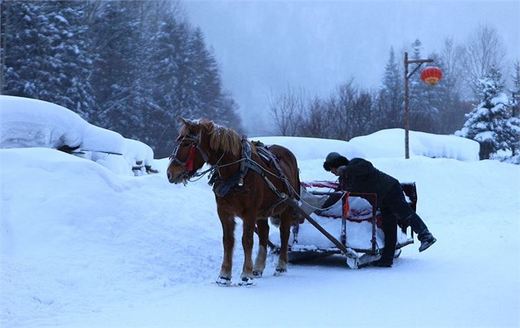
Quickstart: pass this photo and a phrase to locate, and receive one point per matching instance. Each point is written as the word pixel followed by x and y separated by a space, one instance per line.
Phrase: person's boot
pixel 383 263
pixel 426 239
pixel 423 234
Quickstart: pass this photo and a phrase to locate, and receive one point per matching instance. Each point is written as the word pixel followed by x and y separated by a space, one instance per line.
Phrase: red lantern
pixel 431 75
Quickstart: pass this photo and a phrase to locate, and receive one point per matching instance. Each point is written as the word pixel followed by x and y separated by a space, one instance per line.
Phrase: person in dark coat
pixel 359 175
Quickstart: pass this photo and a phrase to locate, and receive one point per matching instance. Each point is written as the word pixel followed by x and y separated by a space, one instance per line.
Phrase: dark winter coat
pixel 360 175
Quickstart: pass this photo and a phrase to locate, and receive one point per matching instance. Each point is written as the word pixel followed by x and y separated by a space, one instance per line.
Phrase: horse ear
pixel 186 122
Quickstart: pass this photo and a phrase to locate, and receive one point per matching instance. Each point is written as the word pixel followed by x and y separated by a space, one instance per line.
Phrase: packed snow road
pixel 84 247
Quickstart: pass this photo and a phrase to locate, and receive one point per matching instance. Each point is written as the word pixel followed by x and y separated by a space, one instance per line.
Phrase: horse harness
pixel 223 187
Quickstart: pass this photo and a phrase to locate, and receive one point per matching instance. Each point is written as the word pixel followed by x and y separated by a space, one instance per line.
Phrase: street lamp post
pixel 407 76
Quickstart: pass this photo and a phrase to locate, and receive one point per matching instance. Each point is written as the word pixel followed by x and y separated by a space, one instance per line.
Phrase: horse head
pixel 190 152
pixel 199 142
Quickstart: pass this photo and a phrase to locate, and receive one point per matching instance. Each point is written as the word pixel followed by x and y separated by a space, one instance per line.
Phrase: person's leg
pixel 397 203
pixel 389 227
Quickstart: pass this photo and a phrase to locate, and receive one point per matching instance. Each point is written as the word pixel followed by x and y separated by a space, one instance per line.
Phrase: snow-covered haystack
pixel 28 122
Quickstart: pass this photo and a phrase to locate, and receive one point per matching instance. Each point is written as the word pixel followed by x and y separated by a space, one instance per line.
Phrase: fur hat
pixel 334 160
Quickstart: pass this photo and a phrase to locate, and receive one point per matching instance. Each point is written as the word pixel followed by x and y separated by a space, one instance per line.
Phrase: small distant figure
pixel 359 175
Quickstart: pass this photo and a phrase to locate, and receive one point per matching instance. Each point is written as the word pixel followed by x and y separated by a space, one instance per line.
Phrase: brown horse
pixel 248 182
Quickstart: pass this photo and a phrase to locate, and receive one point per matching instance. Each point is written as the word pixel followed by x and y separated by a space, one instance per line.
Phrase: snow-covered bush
pixel 28 122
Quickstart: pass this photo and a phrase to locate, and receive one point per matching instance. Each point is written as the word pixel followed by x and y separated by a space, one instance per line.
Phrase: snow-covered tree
pixel 515 112
pixel 116 76
pixel 46 53
pixel 490 122
pixel 171 92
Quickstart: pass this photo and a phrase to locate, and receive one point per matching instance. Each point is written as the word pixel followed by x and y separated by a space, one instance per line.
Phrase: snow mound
pixel 382 144
pixel 312 148
pixel 390 143
pixel 34 123
pixel 29 122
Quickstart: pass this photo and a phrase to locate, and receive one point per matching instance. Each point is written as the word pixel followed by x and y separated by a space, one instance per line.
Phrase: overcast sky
pixel 264 47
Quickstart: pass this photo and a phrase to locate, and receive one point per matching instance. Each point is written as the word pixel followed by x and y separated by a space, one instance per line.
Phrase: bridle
pixel 188 164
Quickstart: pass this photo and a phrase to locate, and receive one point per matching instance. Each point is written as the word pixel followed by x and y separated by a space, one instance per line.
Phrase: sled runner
pixel 338 222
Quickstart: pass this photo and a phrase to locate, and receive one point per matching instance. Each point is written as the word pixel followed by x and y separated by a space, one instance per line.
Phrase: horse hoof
pixel 223 281
pixel 247 282
pixel 257 274
pixel 279 271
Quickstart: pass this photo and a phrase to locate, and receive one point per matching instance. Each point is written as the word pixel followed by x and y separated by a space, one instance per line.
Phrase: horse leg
pixel 247 244
pixel 285 227
pixel 228 240
pixel 263 236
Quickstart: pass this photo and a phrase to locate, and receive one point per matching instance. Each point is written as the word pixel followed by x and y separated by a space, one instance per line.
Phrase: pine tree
pixel 169 64
pixel 205 79
pixel 116 79
pixel 489 123
pixel 514 121
pixel 227 112
pixel 71 49
pixel 391 95
pixel 46 53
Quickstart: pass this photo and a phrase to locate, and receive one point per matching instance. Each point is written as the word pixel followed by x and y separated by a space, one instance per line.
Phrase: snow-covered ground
pixel 82 246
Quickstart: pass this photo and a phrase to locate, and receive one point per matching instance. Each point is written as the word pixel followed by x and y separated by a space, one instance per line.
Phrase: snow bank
pixel 26 122
pixel 384 143
pixel 312 148
pixel 390 143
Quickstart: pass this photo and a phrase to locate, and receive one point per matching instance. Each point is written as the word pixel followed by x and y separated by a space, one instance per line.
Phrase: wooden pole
pixel 406 109
pixel 407 76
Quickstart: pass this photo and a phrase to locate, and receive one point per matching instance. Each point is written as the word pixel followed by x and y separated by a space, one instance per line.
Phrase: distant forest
pixel 136 66
pixel 130 66
pixel 351 111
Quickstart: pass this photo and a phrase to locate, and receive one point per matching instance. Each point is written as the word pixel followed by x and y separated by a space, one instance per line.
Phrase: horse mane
pixel 225 139
pixel 220 138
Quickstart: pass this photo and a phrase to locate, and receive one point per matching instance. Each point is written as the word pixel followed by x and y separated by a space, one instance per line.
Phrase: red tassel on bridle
pixel 190 161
